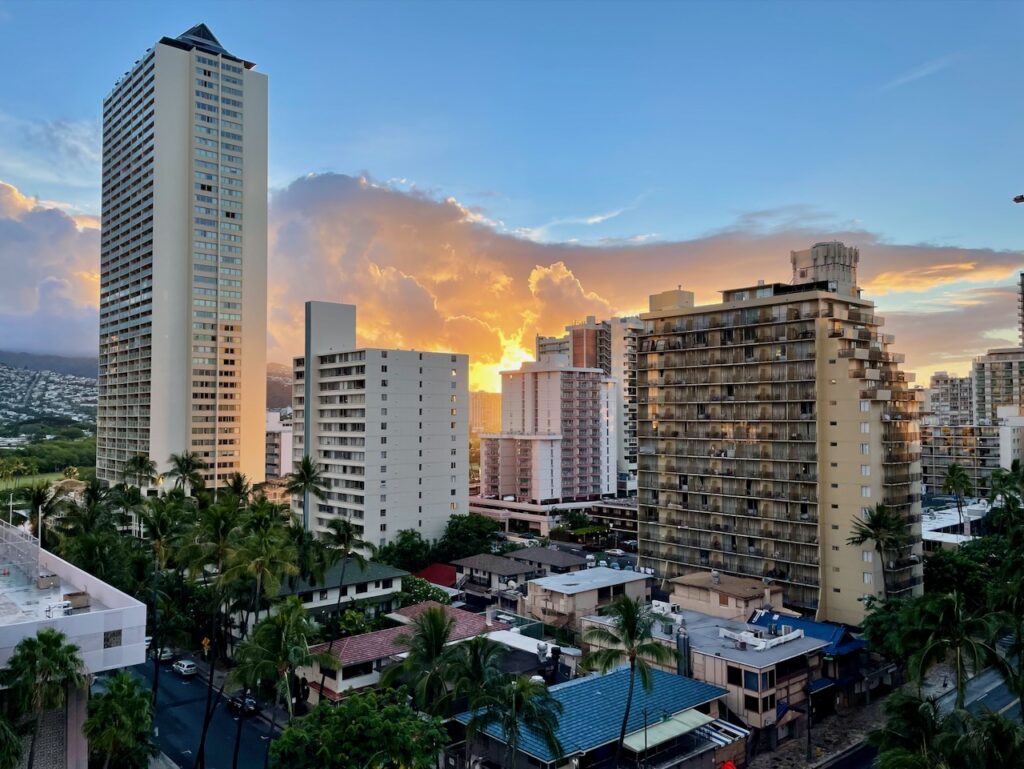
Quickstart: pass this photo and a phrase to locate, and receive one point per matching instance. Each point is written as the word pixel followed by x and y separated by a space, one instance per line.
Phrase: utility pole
pixel 810 714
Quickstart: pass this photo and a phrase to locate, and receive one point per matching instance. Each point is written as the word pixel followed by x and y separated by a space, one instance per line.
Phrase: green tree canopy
pixel 408 551
pixel 465 535
pixel 371 730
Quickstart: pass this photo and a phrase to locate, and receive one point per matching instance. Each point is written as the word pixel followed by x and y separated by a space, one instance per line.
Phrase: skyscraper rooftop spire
pixel 200 36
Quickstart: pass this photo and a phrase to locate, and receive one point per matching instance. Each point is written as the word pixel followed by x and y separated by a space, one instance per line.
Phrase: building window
pixel 868 556
pixel 751 703
pixel 768 703
pixel 750 680
pixel 865 491
pixel 865 427
pixel 865 470
pixel 865 448
pixel 723 600
pixel 865 406
pixel 869 578
pixel 387 584
pixel 362 587
pixel 734 676
pixel 768 680
pixel 323 595
pixel 111 639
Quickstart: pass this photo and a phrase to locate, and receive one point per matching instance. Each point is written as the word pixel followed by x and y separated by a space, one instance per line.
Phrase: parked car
pixel 185 668
pixel 149 642
pixel 616 552
pixel 164 654
pixel 243 705
pixel 631 543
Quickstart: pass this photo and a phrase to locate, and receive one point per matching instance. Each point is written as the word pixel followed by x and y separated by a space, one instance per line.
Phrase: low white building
pixel 388 429
pixel 39 590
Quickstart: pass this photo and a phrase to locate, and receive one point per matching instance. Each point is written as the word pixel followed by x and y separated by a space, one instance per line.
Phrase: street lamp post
pixel 810 714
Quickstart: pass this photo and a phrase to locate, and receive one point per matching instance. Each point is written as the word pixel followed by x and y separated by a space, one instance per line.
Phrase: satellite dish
pixel 512 584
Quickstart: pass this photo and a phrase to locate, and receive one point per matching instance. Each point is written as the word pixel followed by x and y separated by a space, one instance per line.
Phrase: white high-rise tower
pixel 183 319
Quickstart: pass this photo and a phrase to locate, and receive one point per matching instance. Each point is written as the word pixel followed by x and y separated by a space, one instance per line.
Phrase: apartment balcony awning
pixel 663 731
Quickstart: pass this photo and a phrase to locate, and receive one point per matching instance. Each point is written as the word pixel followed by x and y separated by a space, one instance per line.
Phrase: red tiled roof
pixel 383 643
pixel 442 574
pixel 327 693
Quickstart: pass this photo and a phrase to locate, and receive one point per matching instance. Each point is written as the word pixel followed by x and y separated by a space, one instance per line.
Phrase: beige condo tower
pixel 769 423
pixel 183 288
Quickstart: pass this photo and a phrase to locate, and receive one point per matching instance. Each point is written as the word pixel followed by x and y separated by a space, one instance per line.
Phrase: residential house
pixel 360 658
pixel 678 724
pixel 549 561
pixel 493 578
pixel 562 599
pixel 724 595
pixel 374 589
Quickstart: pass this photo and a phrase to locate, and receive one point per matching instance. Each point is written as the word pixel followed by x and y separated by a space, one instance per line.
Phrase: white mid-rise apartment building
pixel 609 345
pixel 183 287
pixel 279 443
pixel 558 435
pixel 388 429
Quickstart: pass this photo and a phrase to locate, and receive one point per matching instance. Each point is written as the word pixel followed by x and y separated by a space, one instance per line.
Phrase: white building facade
pixel 183 287
pixel 388 429
pixel 609 345
pixel 558 438
pixel 279 443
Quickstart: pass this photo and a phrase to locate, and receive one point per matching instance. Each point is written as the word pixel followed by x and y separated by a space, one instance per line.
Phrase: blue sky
pixel 582 121
pixel 475 173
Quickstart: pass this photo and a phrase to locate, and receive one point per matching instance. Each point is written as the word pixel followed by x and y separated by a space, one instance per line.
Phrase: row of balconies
pixel 685 448
pixel 762 528
pixel 743 394
pixel 729 319
pixel 793 353
pixel 762 433
pixel 770 373
pixel 729 413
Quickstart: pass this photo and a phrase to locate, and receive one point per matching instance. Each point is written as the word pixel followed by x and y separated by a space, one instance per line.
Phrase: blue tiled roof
pixel 840 641
pixel 593 709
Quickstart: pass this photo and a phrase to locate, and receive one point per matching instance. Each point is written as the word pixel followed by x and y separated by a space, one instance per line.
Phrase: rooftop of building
pixel 382 644
pixel 839 638
pixel 200 37
pixel 552 362
pixel 743 588
pixel 494 564
pixel 442 574
pixel 593 707
pixel 548 556
pixel 942 524
pixel 706 637
pixel 354 575
pixel 589 579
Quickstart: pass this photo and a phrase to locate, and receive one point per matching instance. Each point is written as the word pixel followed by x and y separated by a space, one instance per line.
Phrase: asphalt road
pixel 179 721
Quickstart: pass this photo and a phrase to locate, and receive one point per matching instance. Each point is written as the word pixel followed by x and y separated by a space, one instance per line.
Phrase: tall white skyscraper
pixel 388 429
pixel 183 297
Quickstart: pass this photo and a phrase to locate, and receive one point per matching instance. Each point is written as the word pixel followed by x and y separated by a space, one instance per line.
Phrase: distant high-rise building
pixel 558 435
pixel 183 285
pixel 769 424
pixel 388 429
pixel 949 400
pixel 1020 308
pixel 279 453
pixel 484 412
pixel 609 345
pixel 998 381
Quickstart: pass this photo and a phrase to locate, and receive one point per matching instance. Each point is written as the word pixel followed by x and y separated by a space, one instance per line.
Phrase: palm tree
pixel 955 633
pixel 958 483
pixel 164 521
pixel 343 544
pixel 120 721
pixel 278 647
pixel 516 702
pixel 427 661
pixel 306 479
pixel 10 745
pixel 186 470
pixel 887 530
pixel 910 736
pixel 129 500
pixel 40 672
pixel 44 504
pixel 475 667
pixel 631 640
pixel 141 469
pixel 265 556
pixel 992 740
pixel 239 487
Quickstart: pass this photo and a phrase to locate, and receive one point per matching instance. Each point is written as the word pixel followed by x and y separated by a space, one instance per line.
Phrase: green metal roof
pixel 663 731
